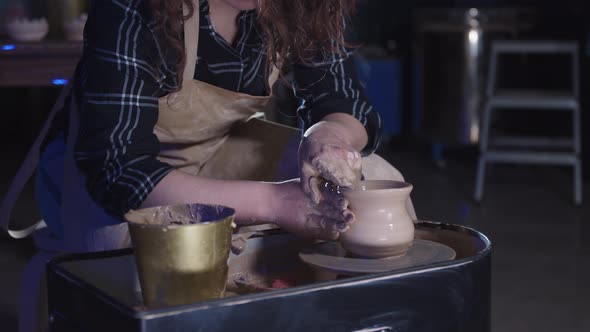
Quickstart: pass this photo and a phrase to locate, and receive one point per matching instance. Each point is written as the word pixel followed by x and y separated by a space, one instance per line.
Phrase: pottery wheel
pixel 332 257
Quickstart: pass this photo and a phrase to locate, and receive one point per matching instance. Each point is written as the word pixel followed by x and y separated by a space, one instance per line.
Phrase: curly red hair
pixel 306 30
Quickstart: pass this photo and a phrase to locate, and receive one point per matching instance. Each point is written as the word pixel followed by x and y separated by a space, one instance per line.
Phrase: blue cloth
pixel 49 180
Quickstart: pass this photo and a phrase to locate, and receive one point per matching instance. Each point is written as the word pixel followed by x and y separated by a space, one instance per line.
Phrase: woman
pixel 134 55
pixel 160 113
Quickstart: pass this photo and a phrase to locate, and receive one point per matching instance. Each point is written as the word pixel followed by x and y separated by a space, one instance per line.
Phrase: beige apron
pixel 209 131
pixel 212 132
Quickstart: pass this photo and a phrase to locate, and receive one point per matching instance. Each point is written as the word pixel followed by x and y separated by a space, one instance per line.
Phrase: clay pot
pixel 383 227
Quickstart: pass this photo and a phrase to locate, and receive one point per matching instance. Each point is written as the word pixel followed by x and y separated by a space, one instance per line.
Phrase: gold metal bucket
pixel 181 263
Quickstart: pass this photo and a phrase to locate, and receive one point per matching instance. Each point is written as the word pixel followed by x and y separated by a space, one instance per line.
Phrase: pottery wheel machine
pixel 282 283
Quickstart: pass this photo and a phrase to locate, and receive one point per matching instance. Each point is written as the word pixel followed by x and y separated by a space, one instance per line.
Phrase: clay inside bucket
pixel 181 214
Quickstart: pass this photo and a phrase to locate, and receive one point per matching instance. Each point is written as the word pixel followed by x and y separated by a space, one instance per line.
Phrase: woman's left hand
pixel 293 211
pixel 326 155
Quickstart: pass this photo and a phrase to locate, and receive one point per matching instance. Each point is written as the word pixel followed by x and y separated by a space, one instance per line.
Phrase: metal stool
pixel 490 151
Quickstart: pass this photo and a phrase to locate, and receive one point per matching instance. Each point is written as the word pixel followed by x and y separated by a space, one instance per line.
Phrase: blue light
pixel 59 81
pixel 8 47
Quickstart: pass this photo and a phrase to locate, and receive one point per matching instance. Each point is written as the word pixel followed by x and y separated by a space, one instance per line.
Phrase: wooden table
pixel 37 64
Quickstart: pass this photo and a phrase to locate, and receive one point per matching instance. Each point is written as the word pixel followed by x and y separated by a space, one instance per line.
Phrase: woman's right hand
pixel 295 212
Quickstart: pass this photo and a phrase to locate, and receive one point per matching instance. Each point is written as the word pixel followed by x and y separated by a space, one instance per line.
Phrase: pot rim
pixel 380 186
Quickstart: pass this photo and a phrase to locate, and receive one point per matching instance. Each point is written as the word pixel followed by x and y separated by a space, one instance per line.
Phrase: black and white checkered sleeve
pixel 331 86
pixel 119 82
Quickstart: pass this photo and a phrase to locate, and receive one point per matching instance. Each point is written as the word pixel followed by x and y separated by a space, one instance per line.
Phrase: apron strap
pixel 26 171
pixel 191 41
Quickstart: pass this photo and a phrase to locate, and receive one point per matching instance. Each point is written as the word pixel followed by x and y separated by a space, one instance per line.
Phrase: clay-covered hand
pixel 295 212
pixel 326 155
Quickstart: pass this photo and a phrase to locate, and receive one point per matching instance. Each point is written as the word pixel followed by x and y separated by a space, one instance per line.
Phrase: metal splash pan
pixel 98 292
